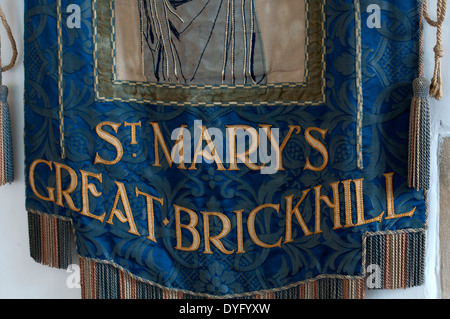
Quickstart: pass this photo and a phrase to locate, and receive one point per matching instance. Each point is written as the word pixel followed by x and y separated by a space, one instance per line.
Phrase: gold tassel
pixel 436 89
pixel 436 84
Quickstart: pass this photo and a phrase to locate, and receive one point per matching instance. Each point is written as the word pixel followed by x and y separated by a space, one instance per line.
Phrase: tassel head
pixel 421 86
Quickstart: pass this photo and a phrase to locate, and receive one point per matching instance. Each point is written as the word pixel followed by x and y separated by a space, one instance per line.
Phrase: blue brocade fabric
pixel 223 231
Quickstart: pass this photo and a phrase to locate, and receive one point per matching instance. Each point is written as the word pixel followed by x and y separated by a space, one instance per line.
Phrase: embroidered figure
pixel 224 42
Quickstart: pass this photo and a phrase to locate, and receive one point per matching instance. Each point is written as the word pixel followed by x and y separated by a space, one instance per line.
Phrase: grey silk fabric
pixel 172 50
pixel 201 42
pixel 211 42
pixel 129 65
pixel 283 31
pixel 223 42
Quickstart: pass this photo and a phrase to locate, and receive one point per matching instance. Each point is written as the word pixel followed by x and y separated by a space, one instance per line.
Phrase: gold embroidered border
pixel 359 89
pixel 60 80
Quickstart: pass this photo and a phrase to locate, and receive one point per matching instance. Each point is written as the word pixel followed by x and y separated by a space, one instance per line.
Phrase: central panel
pixel 170 52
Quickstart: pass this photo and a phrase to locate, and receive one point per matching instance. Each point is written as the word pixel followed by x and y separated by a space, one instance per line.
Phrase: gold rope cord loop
pixel 11 39
pixel 436 90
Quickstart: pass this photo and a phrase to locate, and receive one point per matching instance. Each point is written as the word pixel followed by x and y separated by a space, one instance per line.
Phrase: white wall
pixel 21 277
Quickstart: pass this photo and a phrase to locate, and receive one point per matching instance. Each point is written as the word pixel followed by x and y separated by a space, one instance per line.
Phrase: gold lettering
pixel 190 227
pixel 326 199
pixel 279 148
pixel 89 187
pixel 199 151
pixel 243 156
pixel 296 211
pixel 251 225
pixel 317 145
pixel 179 147
pixel 133 131
pixel 114 141
pixel 239 232
pixel 348 203
pixel 360 216
pixel 390 199
pixel 51 191
pixel 122 195
pixel 360 206
pixel 60 193
pixel 216 239
pixel 159 140
pixel 150 212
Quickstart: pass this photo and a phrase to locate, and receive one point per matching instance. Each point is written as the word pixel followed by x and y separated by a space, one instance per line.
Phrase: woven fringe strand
pixel 105 281
pixel 400 257
pixel 50 239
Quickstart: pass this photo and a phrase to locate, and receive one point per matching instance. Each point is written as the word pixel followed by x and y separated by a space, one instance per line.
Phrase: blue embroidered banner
pixel 223 148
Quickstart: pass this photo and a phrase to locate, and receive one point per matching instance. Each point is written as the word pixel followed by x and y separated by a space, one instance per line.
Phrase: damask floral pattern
pixel 389 60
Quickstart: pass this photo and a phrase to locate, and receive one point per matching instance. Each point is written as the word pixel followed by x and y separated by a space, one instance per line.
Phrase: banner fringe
pixel 398 255
pixel 51 240
pixel 399 258
pixel 102 280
